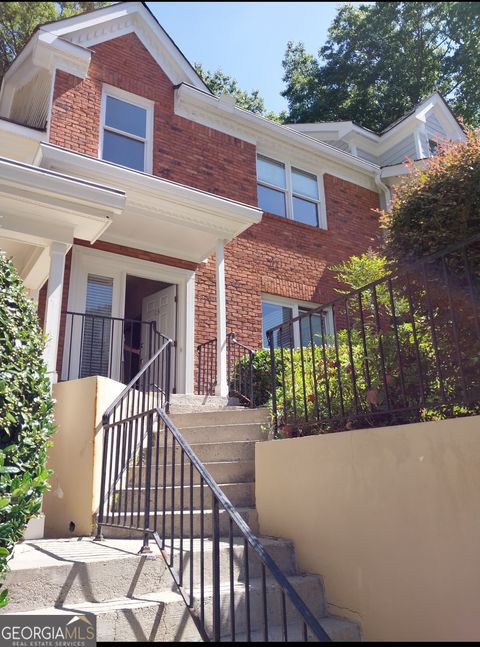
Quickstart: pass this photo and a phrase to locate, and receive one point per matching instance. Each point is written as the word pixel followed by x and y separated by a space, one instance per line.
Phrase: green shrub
pixel 26 413
pixel 261 373
pixel 436 206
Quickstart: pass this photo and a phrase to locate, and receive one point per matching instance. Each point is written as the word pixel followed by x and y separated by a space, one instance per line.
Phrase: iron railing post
pixel 273 370
pixel 148 483
pixel 251 356
pixel 168 379
pixel 216 569
pixel 101 507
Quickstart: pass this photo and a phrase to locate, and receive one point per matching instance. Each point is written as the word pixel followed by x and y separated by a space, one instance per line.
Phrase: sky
pixel 247 40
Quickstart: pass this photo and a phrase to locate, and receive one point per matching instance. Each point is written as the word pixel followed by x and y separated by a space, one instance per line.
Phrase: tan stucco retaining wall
pixel 76 455
pixel 390 517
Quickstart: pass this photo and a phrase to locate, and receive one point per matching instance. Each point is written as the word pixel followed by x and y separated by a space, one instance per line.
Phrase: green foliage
pixel 382 58
pixel 436 206
pixel 18 20
pixel 220 83
pixel 261 374
pixel 26 413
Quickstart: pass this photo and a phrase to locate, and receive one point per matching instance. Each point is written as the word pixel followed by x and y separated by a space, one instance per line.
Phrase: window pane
pixel 271 201
pixel 305 211
pixel 311 326
pixel 305 184
pixel 271 172
pixel 125 116
pixel 273 315
pixel 97 329
pixel 124 151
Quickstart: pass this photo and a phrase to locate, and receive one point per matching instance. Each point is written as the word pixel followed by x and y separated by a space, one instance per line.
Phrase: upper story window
pixel 126 137
pixel 289 192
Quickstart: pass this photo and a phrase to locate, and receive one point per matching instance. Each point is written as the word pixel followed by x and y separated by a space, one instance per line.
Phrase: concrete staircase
pixel 133 596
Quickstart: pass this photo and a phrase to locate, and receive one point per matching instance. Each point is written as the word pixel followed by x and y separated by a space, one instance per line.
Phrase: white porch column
pixel 222 385
pixel 53 306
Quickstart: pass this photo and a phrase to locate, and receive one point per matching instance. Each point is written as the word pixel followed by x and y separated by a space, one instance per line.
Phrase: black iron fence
pixel 127 453
pixel 207 367
pixel 154 484
pixel 239 369
pixel 109 346
pixel 401 349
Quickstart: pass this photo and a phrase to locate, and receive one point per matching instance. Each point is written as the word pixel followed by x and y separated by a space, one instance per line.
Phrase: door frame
pixel 93 261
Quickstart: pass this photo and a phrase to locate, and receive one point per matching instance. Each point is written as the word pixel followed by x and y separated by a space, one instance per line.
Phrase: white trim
pixel 92 261
pixel 122 18
pixel 221 387
pixel 289 193
pixel 135 100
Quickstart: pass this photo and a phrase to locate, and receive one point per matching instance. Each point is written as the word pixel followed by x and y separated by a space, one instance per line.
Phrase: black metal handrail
pixel 149 390
pixel 207 367
pixel 397 349
pixel 171 497
pixel 240 370
pixel 97 344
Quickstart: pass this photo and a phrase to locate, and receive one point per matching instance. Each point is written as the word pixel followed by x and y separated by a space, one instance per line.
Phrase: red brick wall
pixel 183 151
pixel 284 258
pixel 277 256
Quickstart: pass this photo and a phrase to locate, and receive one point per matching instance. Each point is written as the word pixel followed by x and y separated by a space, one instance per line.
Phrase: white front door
pixel 161 307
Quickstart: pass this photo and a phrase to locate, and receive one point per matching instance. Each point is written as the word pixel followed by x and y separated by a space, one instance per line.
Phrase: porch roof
pixel 41 206
pixel 160 215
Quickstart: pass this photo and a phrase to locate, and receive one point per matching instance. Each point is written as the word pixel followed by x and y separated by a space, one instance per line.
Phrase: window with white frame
pixel 126 137
pixel 277 311
pixel 289 192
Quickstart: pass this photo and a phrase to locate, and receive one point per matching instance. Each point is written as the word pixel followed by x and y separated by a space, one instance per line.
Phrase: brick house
pixel 131 194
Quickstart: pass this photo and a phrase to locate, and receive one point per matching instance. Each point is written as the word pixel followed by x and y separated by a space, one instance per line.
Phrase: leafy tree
pixel 438 205
pixel 26 413
pixel 383 58
pixel 220 83
pixel 18 21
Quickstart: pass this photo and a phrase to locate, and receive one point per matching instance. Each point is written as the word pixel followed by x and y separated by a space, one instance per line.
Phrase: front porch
pixel 113 268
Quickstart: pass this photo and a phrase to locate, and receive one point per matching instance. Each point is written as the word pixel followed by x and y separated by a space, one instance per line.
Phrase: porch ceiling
pixel 159 215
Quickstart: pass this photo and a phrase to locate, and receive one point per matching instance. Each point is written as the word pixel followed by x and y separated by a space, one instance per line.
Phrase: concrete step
pixel 309 587
pixel 156 523
pixel 81 570
pixel 338 629
pixel 238 450
pixel 228 416
pixel 240 494
pixel 224 471
pixel 52 572
pixel 281 552
pixel 222 433
pixel 180 402
pixel 153 617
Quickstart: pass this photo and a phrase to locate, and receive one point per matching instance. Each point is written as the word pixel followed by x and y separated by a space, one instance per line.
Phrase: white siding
pixel 367 156
pixel 398 153
pixel 435 129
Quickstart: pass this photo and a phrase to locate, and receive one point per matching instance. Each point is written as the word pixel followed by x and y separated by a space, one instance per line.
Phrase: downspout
pixel 386 198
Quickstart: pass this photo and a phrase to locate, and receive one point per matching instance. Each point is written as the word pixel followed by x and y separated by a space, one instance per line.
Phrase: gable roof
pixel 118 19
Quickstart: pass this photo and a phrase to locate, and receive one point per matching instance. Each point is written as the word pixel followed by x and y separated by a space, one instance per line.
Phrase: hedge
pixel 26 414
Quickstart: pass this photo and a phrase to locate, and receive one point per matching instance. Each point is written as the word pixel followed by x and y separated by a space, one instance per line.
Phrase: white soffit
pixel 39 205
pixel 160 215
